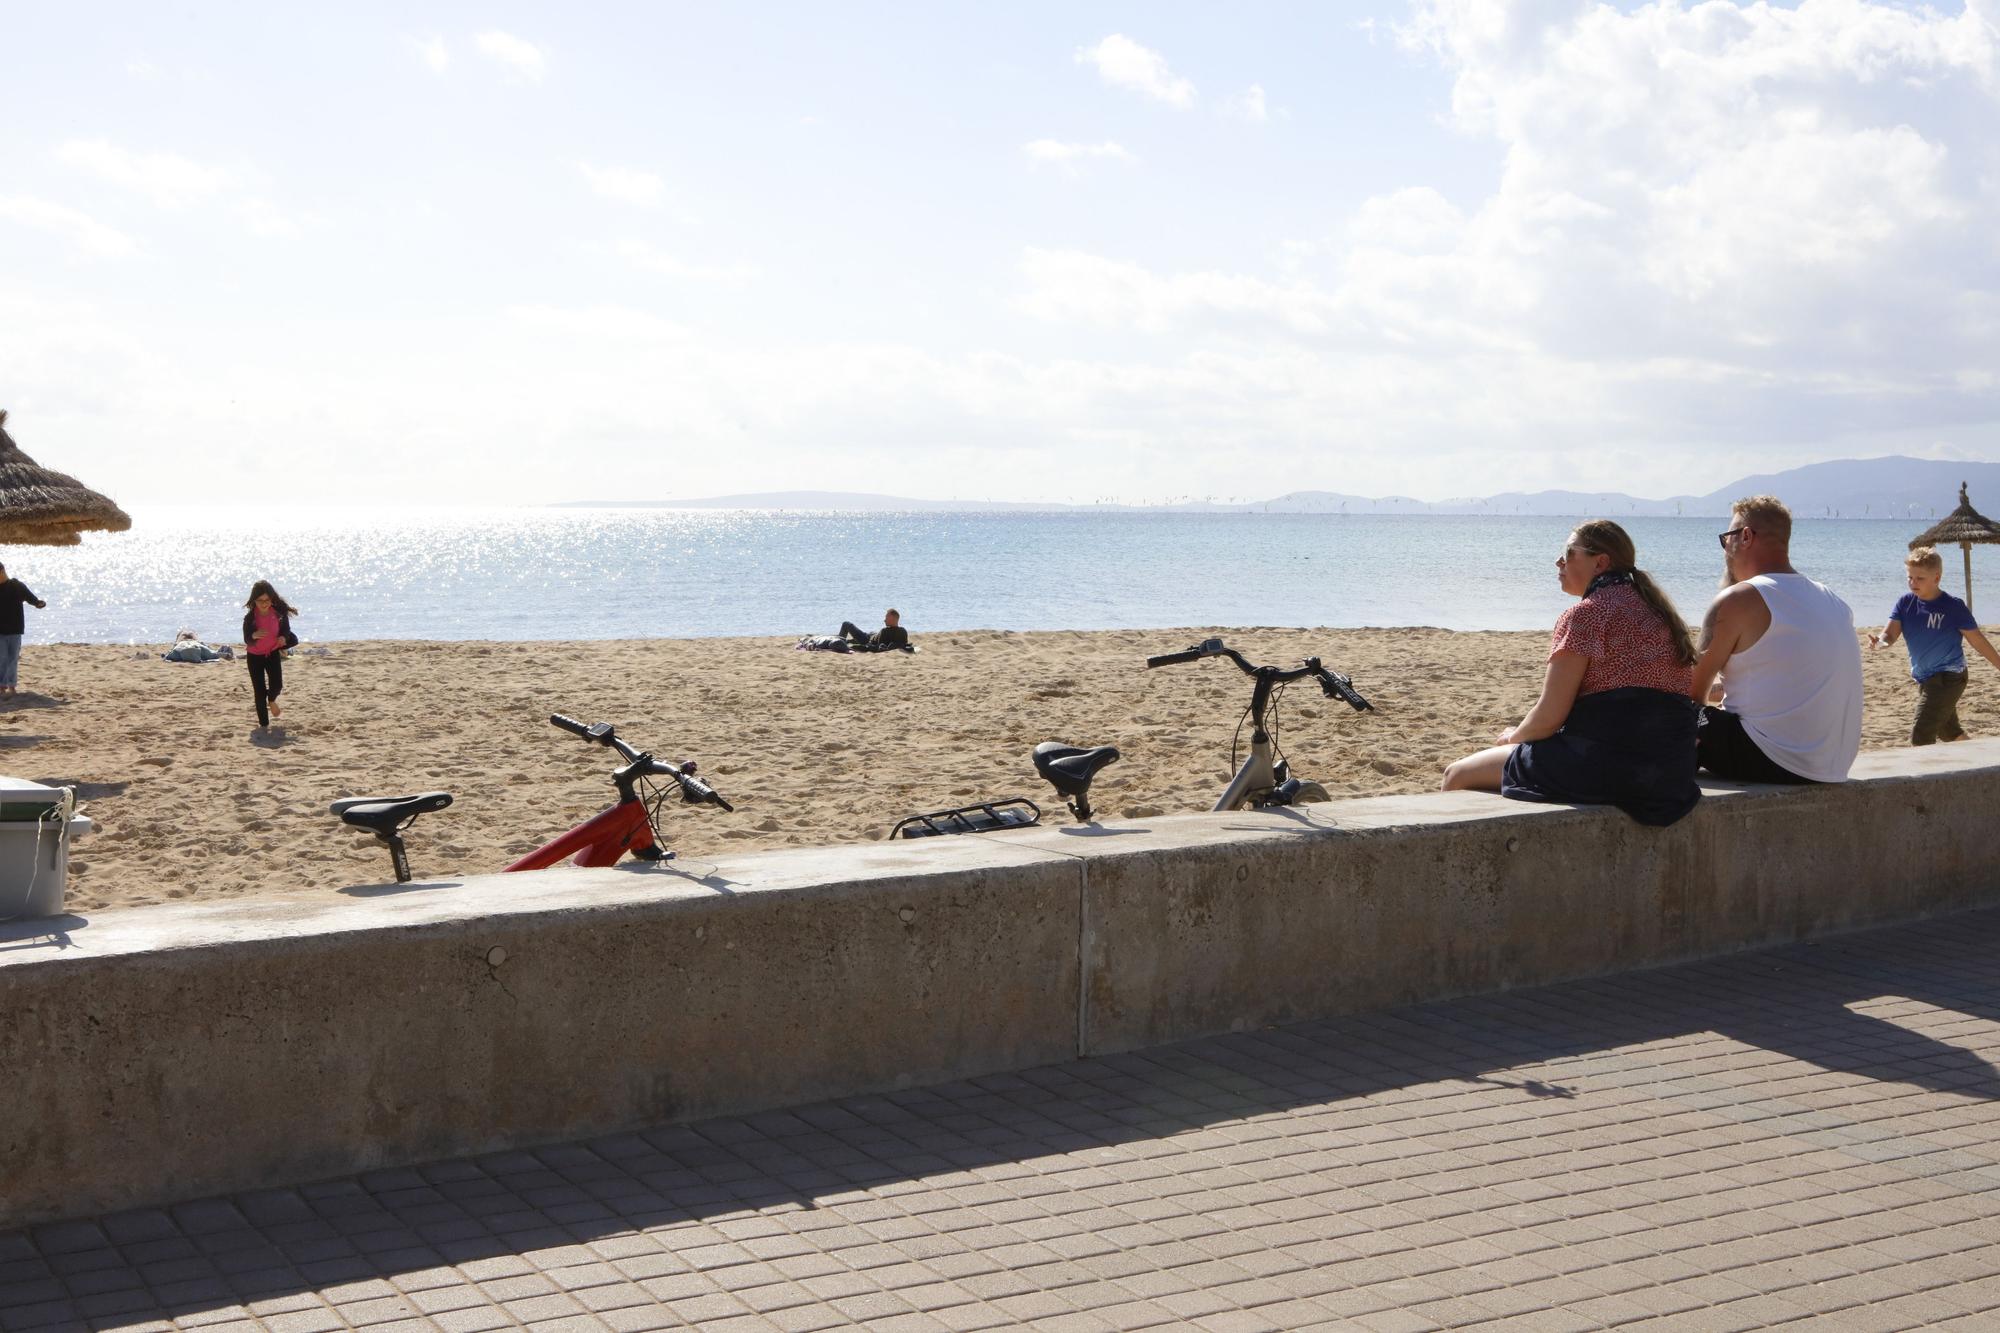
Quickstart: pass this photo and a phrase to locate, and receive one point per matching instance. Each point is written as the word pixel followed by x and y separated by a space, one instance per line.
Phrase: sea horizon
pixel 544 574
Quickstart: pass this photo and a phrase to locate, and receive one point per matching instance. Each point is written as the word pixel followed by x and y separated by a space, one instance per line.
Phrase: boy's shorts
pixel 1937 709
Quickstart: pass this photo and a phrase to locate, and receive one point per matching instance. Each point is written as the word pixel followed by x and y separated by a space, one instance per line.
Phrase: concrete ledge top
pixel 1927 760
pixel 707 885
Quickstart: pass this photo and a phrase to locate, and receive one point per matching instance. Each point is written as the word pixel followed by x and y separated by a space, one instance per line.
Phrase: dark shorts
pixel 1937 708
pixel 1725 750
pixel 1632 748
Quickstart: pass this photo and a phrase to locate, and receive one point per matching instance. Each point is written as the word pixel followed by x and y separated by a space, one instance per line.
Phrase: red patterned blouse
pixel 1624 640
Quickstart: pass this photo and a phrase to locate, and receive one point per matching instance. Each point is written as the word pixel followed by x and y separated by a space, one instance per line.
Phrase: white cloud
pixel 1071 156
pixel 1793 190
pixel 652 260
pixel 261 217
pixel 83 233
pixel 609 324
pixel 521 58
pixel 177 183
pixel 1248 105
pixel 1069 285
pixel 1717 229
pixel 1704 229
pixel 433 52
pixel 168 179
pixel 1123 63
pixel 627 185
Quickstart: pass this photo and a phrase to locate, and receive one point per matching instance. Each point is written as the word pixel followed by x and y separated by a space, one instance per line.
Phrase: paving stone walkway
pixel 1808 1136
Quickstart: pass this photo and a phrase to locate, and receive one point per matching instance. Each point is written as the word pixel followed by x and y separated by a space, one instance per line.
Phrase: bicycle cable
pixel 653 795
pixel 1233 740
pixel 1277 751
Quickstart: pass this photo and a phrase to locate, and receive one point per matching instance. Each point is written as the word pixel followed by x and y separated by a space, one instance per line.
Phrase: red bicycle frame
pixel 599 841
pixel 626 827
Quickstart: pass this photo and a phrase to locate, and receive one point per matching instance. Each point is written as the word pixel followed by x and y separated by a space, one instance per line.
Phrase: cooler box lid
pixel 21 799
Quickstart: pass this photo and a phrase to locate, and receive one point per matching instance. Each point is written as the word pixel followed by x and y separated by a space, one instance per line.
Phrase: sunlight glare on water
pixel 595 574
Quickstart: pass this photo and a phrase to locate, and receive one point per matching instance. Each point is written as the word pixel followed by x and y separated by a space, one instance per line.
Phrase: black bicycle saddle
pixel 386 814
pixel 1069 768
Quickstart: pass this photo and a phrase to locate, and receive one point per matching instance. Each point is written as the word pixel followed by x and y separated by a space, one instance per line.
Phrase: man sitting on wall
pixel 1778 653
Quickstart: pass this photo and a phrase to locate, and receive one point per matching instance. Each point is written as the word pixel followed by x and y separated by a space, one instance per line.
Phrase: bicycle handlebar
pixel 1333 683
pixel 693 789
pixel 1206 648
pixel 600 732
pixel 1340 687
pixel 1217 648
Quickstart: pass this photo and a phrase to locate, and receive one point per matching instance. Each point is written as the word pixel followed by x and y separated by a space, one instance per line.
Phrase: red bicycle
pixel 632 825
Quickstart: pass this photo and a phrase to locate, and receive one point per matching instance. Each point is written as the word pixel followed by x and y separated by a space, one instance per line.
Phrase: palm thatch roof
pixel 43 508
pixel 1963 524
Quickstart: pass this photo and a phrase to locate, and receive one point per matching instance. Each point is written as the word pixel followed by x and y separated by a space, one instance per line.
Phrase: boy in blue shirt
pixel 1937 627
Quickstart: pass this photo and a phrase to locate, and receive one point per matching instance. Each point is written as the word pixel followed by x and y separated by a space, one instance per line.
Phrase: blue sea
pixel 598 574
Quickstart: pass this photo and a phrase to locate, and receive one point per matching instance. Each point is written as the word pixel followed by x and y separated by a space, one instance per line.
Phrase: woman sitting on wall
pixel 1614 725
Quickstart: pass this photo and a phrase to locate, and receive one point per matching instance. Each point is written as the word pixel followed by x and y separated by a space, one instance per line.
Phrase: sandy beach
pixel 812 748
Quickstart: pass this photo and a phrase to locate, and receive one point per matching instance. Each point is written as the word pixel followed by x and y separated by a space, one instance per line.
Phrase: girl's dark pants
pixel 267 679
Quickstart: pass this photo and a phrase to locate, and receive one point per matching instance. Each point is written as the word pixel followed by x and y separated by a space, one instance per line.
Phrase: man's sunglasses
pixel 1722 538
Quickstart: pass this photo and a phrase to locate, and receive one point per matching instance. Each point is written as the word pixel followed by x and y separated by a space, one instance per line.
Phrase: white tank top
pixel 1798 689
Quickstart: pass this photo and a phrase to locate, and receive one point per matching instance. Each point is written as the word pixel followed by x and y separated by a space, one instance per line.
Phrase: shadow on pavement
pixel 961 1137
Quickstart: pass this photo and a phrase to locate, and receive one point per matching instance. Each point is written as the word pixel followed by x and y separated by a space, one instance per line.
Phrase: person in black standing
pixel 267 632
pixel 14 594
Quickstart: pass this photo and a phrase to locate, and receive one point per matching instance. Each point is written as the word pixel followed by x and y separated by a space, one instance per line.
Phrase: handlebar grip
pixel 569 724
pixel 1168 659
pixel 694 789
pixel 1342 688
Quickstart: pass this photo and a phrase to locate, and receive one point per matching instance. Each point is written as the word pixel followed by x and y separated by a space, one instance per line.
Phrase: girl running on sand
pixel 267 632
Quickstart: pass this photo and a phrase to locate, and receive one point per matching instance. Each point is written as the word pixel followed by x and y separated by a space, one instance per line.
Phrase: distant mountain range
pixel 1901 488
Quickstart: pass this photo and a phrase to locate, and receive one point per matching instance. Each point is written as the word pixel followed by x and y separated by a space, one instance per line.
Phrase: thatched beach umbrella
pixel 43 508
pixel 1964 525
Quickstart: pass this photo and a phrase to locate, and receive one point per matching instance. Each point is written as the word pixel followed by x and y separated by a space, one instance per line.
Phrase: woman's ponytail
pixel 1600 536
pixel 1663 607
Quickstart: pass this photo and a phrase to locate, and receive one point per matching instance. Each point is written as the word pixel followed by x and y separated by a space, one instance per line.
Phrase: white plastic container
pixel 36 824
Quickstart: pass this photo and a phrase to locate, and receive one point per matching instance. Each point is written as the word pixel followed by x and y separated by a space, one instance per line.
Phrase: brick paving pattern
pixel 1805 1136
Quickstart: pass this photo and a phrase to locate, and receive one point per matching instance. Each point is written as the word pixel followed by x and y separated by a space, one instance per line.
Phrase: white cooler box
pixel 36 824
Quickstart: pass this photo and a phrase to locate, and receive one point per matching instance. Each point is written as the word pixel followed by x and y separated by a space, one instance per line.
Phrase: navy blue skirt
pixel 1632 748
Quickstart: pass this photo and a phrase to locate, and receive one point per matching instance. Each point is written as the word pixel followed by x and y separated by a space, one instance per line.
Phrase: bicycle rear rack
pixel 979 817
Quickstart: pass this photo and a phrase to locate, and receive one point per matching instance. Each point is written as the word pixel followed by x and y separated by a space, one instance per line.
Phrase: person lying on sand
pixel 188 647
pixel 1615 724
pixel 891 635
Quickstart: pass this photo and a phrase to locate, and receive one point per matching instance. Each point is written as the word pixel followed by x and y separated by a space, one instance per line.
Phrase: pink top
pixel 1626 643
pixel 266 639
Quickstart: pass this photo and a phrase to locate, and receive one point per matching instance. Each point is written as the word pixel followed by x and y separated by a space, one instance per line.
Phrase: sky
pixel 512 254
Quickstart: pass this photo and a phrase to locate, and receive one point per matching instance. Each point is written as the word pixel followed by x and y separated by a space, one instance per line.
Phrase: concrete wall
pixel 169 1052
